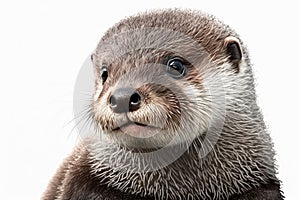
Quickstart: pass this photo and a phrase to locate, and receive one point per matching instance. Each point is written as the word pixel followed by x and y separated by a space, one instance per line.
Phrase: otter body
pixel 175 114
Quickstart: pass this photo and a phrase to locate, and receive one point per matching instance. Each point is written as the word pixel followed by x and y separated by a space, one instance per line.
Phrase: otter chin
pixel 137 130
pixel 174 114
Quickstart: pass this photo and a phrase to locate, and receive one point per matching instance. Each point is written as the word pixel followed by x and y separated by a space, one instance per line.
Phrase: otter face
pixel 143 104
pixel 154 87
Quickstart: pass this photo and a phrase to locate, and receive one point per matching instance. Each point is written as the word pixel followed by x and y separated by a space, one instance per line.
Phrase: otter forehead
pixel 203 28
pixel 184 32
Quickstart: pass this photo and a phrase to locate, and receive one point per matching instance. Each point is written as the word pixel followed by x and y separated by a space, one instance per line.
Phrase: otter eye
pixel 92 57
pixel 104 74
pixel 176 68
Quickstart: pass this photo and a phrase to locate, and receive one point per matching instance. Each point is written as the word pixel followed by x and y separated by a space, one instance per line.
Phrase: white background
pixel 44 43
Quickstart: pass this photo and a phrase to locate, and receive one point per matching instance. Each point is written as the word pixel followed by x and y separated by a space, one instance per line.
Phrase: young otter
pixel 175 107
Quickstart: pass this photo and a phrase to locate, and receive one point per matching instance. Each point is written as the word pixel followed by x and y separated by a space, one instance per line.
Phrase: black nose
pixel 125 100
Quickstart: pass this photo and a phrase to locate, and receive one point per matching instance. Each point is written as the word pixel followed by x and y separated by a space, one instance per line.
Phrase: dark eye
pixel 104 74
pixel 92 57
pixel 176 67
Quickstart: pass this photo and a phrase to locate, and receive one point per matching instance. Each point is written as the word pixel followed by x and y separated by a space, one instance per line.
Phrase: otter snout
pixel 125 100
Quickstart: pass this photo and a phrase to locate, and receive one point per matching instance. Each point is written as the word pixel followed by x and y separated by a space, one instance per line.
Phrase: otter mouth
pixel 137 129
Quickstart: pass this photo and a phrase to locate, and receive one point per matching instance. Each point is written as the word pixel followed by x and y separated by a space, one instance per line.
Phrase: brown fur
pixel 240 165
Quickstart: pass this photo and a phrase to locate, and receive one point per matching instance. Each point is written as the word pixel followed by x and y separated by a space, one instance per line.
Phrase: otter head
pixel 161 78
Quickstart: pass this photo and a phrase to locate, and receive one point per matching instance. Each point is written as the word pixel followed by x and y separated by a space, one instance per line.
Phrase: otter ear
pixel 234 52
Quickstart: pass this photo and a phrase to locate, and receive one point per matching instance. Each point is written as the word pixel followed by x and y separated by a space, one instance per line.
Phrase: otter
pixel 175 116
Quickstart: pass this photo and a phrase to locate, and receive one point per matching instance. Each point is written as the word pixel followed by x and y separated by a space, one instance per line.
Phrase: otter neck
pixel 230 167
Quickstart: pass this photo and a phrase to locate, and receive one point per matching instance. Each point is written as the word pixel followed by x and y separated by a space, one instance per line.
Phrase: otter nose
pixel 125 100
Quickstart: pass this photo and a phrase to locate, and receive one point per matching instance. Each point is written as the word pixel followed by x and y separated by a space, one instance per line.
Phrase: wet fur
pixel 241 163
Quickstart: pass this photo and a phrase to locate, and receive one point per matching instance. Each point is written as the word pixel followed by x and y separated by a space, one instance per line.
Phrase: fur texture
pixel 216 100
